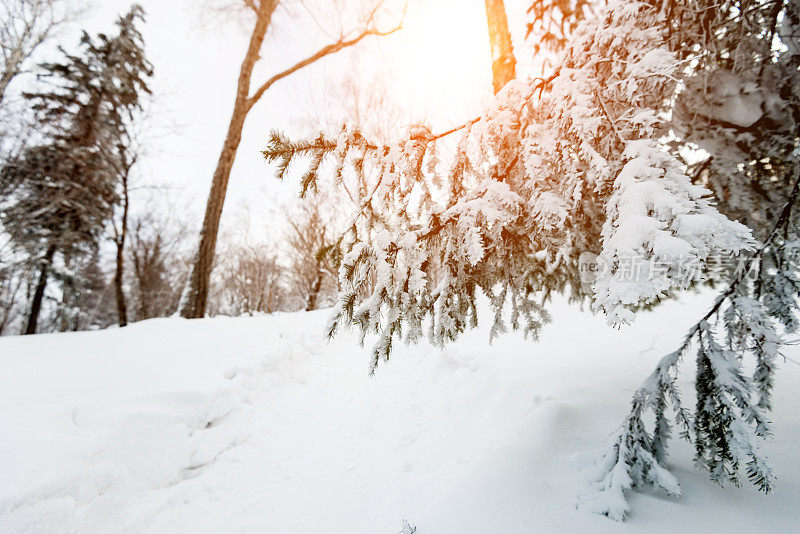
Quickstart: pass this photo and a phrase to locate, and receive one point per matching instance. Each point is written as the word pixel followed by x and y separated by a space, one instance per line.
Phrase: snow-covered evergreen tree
pixel 59 195
pixel 663 141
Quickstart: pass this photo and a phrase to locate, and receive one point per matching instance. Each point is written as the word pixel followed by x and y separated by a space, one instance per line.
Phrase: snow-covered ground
pixel 261 425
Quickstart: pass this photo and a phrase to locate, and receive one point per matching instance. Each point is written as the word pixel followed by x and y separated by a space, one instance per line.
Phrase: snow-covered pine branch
pixel 526 193
pixel 731 411
pixel 601 157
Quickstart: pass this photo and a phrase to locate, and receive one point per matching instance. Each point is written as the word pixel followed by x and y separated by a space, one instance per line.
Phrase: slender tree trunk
pixel 144 309
pixel 5 80
pixel 194 299
pixel 504 65
pixel 311 303
pixel 38 295
pixel 12 290
pixel 122 306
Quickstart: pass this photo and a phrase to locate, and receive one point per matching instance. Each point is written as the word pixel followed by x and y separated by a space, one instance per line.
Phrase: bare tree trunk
pixel 122 306
pixel 313 295
pixel 38 296
pixel 504 65
pixel 193 302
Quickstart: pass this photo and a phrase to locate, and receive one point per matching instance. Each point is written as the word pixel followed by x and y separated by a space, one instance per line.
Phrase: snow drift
pixel 261 425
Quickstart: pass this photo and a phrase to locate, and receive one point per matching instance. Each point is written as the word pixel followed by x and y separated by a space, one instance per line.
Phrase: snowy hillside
pixel 260 425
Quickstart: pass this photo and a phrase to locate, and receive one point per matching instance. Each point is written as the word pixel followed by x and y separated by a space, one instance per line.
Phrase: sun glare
pixel 442 58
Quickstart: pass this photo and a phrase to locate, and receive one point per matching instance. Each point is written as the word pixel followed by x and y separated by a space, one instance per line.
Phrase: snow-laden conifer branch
pixel 589 160
pixel 524 196
pixel 284 151
pixel 731 411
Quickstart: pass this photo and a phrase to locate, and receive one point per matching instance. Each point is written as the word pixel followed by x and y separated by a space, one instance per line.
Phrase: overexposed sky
pixel 437 68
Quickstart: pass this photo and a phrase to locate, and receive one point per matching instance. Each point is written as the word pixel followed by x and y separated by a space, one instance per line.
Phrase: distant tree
pixel 120 232
pixel 194 299
pixel 156 233
pixel 131 147
pixel 312 269
pixel 158 265
pixel 13 281
pixel 250 281
pixel 60 195
pixel 86 302
pixel 24 26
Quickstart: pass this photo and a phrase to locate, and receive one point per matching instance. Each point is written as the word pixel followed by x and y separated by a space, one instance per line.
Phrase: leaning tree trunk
pixel 38 295
pixel 504 65
pixel 195 297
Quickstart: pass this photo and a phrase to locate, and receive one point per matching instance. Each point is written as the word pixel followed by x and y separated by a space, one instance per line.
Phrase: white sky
pixel 439 66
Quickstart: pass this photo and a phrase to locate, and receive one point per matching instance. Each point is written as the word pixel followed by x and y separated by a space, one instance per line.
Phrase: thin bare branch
pixel 252 5
pixel 321 53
